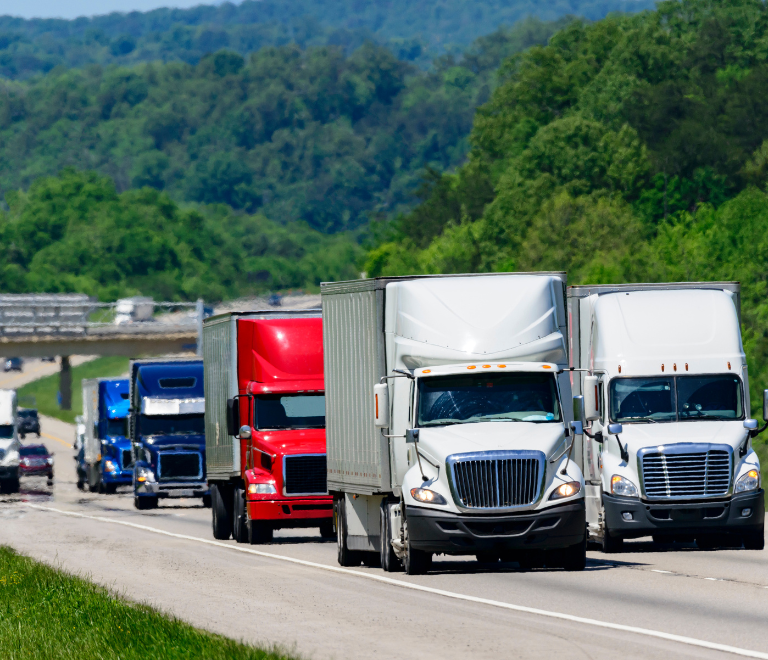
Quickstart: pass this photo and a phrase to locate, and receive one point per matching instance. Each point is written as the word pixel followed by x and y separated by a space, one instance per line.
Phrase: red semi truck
pixel 265 423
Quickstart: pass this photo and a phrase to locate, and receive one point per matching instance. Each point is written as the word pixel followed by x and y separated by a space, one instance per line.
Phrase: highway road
pixel 648 602
pixel 35 368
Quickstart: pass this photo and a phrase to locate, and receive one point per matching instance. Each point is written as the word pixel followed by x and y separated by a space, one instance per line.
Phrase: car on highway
pixel 49 358
pixel 35 461
pixel 13 364
pixel 28 422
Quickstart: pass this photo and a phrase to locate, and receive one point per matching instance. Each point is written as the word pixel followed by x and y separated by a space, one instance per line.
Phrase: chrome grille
pixel 496 480
pixel 692 471
pixel 179 465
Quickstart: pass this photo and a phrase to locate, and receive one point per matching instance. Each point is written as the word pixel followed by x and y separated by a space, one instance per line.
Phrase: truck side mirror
pixel 233 416
pixel 615 429
pixel 412 436
pixel 578 409
pixel 750 424
pixel 245 432
pixel 591 398
pixel 577 428
pixel 765 405
pixel 381 405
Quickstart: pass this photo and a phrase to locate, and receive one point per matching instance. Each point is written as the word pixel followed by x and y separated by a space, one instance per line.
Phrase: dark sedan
pixel 28 422
pixel 36 461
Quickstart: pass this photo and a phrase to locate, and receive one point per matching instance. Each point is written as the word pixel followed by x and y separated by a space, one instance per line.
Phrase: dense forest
pixel 75 232
pixel 631 149
pixel 313 135
pixel 414 30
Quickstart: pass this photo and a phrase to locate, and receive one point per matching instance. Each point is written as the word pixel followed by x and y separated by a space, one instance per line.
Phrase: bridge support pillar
pixel 65 383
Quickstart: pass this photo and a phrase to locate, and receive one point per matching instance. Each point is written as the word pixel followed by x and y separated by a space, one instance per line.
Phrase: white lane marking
pixel 690 641
pixel 655 570
pixel 53 437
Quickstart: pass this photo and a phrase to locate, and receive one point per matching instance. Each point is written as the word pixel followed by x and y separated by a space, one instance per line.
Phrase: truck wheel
pixel 239 520
pixel 326 529
pixel 10 486
pixel 220 514
pixel 346 556
pixel 755 540
pixel 145 503
pixel 611 543
pixel 94 481
pixel 415 562
pixel 389 561
pixel 575 557
pixel 259 532
pixel 207 501
pixel 110 489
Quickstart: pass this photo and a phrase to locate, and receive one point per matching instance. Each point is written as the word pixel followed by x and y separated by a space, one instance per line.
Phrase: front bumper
pixel 461 534
pixel 294 512
pixel 692 517
pixel 35 471
pixel 122 477
pixel 172 489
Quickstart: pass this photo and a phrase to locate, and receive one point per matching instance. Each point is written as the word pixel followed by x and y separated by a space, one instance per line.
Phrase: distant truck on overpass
pixel 167 430
pixel 104 460
pixel 265 424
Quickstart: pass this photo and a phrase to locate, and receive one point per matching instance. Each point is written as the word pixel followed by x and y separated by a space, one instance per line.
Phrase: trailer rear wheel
pixel 346 556
pixel 755 540
pixel 259 532
pixel 221 515
pixel 239 520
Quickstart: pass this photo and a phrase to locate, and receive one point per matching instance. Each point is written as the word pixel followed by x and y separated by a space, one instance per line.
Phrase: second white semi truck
pixel 667 445
pixel 447 412
pixel 9 443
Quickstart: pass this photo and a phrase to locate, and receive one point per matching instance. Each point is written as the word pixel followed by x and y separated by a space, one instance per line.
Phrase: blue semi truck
pixel 104 459
pixel 167 430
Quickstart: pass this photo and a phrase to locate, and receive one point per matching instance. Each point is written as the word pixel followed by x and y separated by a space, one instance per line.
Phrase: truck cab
pixel 167 430
pixel 104 461
pixel 10 460
pixel 666 449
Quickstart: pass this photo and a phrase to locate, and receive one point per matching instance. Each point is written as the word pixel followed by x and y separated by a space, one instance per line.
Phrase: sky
pixel 75 8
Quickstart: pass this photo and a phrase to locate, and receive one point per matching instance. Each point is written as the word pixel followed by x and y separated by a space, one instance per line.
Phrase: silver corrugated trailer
pixel 91 442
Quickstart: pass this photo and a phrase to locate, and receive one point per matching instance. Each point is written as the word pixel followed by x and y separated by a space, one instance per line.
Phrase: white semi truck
pixel 666 450
pixel 448 410
pixel 9 443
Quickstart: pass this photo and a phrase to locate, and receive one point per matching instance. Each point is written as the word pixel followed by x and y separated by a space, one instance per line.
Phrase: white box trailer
pixel 488 355
pixel 9 442
pixel 664 366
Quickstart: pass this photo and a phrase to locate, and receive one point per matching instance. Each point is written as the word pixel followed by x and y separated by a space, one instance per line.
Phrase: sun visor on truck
pixel 156 406
pixel 515 317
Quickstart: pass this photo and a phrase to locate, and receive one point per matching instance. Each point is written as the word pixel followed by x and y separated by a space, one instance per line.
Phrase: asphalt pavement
pixel 647 602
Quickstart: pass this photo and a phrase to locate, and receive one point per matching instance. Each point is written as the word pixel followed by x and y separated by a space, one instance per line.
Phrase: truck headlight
pixel 623 487
pixel 145 474
pixel 262 489
pixel 565 490
pixel 749 481
pixel 109 466
pixel 427 496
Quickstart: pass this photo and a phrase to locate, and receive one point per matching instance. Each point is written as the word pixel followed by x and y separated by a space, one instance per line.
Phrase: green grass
pixel 45 389
pixel 47 614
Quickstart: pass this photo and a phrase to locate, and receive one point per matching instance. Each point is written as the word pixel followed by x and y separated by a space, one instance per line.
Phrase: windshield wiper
pixel 641 419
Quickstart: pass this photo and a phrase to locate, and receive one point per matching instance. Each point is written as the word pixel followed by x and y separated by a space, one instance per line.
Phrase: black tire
pixel 755 540
pixel 389 561
pixel 207 501
pixel 530 559
pixel 145 503
pixel 345 556
pixel 488 558
pixel 259 532
pixel 326 529
pixel 239 518
pixel 221 515
pixel 415 562
pixel 22 435
pixel 611 543
pixel 10 486
pixel 93 478
pixel 110 489
pixel 371 559
pixel 574 558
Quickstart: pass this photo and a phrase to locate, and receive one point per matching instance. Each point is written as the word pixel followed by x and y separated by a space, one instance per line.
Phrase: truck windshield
pixel 676 398
pixel 513 397
pixel 172 424
pixel 290 411
pixel 6 430
pixel 117 427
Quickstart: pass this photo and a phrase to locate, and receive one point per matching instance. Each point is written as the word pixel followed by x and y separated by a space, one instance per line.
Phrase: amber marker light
pixel 502 366
pixel 729 365
pixel 674 366
pixel 662 368
pixel 471 366
pixel 686 366
pixel 753 473
pixel 546 366
pixel 486 366
pixel 426 371
pixel 619 368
